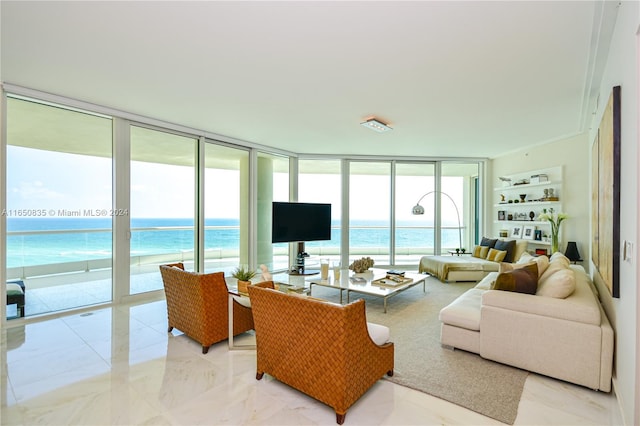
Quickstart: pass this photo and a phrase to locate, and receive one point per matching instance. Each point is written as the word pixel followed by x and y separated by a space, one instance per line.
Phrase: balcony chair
pixel 324 350
pixel 197 305
pixel 15 295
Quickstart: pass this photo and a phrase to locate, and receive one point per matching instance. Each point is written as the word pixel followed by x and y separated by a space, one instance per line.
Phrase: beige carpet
pixel 466 379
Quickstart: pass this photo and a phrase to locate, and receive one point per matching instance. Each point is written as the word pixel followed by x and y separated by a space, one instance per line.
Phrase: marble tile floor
pixel 118 365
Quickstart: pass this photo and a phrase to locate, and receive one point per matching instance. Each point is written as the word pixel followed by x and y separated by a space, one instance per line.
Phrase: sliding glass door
pixel 59 205
pixel 163 191
pixel 320 181
pixel 414 233
pixel 226 208
pixel 370 211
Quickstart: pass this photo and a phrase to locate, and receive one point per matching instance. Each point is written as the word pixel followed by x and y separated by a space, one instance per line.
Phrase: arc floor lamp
pixel 419 210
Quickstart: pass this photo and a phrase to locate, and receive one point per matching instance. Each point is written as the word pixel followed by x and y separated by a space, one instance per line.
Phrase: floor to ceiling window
pixel 272 185
pixel 226 207
pixel 414 234
pixel 163 191
pixel 370 211
pixel 59 203
pixel 458 181
pixel 319 181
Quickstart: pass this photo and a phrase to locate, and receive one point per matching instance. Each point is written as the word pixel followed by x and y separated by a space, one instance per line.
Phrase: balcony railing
pixel 30 253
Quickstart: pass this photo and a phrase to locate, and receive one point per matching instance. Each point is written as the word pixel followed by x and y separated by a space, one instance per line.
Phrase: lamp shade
pixel 417 209
pixel 572 252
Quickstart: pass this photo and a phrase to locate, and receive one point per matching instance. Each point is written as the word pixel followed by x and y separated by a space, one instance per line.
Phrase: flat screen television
pixel 300 222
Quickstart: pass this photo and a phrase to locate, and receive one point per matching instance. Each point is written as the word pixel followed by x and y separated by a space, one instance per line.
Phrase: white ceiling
pixel 454 79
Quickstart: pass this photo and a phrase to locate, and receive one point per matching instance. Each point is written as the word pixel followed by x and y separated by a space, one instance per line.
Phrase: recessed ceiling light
pixel 376 125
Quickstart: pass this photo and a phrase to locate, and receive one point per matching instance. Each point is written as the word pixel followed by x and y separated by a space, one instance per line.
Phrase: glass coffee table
pixel 369 283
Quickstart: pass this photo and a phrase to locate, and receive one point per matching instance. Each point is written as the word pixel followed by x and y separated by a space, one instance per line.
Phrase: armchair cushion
pixel 378 333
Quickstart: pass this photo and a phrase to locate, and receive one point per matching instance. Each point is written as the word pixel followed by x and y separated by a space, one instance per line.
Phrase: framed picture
pixel 502 215
pixel 516 232
pixel 537 235
pixel 605 222
pixel 527 232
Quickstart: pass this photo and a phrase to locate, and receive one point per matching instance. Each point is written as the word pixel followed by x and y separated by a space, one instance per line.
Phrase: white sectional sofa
pixel 568 338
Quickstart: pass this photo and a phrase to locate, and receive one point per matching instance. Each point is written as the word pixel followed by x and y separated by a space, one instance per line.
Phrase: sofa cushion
pixel 520 280
pixel 559 257
pixel 561 284
pixel 526 258
pixel 508 246
pixel 489 242
pixel 378 333
pixel 487 281
pixel 480 252
pixel 496 255
pixel 464 312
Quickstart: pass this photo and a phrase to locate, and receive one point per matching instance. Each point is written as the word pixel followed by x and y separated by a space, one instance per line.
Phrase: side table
pixel 244 301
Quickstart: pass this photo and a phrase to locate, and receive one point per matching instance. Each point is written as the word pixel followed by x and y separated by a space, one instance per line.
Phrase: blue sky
pixel 52 180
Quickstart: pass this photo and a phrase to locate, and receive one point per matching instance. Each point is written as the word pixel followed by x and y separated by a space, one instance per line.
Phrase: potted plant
pixel 243 275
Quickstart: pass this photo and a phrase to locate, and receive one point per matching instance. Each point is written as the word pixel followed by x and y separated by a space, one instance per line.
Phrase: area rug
pixel 460 377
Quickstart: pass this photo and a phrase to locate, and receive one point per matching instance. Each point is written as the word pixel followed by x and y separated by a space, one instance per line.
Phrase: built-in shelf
pixel 527 203
pixel 535 192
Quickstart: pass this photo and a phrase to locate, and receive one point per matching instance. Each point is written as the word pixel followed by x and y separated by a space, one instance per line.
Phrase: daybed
pixel 560 330
pixel 469 267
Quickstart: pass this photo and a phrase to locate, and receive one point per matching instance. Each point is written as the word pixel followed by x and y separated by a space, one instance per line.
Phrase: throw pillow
pixel 508 246
pixel 508 267
pixel 496 255
pixel 480 251
pixel 560 285
pixel 542 261
pixel 489 242
pixel 520 280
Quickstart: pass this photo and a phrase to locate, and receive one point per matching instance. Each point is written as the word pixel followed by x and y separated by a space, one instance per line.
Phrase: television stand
pixel 299 268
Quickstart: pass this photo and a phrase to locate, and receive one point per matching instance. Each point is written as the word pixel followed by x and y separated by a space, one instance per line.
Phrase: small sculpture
pixel 266 275
pixel 522 197
pixel 361 265
pixel 532 215
pixel 502 198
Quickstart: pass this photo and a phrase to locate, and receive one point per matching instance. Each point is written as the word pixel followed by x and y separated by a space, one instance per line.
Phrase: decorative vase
pixel 554 243
pixel 242 286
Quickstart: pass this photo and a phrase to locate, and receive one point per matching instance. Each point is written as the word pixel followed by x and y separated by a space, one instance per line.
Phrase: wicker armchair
pixel 320 348
pixel 197 305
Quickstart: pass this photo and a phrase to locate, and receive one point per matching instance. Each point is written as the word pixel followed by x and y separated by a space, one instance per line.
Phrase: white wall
pixel 621 69
pixel 573 155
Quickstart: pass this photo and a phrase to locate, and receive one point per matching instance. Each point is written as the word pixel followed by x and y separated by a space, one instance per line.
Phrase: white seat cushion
pixel 378 333
pixel 464 312
pixel 14 289
pixel 243 300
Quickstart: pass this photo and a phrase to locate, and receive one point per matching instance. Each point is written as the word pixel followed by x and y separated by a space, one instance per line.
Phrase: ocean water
pixel 75 239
